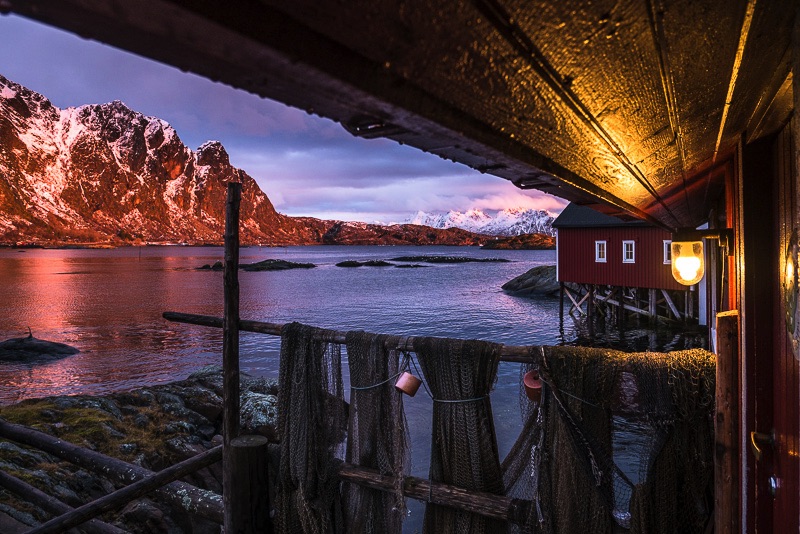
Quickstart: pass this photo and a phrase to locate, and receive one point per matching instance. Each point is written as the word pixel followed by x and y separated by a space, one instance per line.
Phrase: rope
pixel 402 370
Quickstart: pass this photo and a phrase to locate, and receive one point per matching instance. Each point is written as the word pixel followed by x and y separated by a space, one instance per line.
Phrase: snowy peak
pixel 104 174
pixel 506 222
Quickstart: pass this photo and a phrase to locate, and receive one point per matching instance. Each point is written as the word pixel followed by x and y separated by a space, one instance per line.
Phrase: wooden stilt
pixel 590 310
pixel 561 300
pixel 652 304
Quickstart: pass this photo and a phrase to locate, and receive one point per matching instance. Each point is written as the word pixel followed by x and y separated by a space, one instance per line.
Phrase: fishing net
pixel 464 453
pixel 618 440
pixel 311 423
pixel 377 433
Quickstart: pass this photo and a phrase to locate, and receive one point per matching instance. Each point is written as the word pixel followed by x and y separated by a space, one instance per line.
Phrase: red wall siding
pixel 576 257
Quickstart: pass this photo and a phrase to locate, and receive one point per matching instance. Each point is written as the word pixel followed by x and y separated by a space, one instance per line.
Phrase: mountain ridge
pixel 105 174
pixel 507 222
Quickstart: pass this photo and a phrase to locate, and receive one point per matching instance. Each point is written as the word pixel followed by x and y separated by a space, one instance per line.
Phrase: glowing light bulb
pixel 688 267
pixel 687 262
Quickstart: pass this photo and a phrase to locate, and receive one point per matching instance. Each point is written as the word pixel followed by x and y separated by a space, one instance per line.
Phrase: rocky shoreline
pixel 152 427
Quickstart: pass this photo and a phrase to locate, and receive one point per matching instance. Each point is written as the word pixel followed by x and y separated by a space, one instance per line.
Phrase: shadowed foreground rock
pixel 153 427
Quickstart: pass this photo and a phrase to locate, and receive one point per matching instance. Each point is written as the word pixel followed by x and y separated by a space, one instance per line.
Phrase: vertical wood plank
pixel 250 506
pixel 652 308
pixel 726 425
pixel 230 344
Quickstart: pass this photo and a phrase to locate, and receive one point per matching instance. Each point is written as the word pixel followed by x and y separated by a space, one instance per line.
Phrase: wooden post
pixel 652 309
pixel 726 421
pixel 561 300
pixel 250 491
pixel 590 310
pixel 230 347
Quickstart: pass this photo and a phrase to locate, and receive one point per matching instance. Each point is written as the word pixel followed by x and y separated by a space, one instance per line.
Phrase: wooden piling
pixel 652 302
pixel 230 347
pixel 250 513
pixel 726 423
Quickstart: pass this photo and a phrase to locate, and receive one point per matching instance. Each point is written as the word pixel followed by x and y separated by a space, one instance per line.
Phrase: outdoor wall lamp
pixel 688 260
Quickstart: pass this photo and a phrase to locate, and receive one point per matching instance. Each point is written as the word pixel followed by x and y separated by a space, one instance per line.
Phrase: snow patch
pixel 7 92
pixel 507 222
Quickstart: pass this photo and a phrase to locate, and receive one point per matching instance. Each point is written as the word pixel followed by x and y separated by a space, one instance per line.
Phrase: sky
pixel 307 165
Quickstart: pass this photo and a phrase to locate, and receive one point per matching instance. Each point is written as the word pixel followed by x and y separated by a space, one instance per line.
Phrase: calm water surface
pixel 108 303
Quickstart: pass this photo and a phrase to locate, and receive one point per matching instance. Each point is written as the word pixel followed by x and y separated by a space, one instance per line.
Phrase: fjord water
pixel 108 303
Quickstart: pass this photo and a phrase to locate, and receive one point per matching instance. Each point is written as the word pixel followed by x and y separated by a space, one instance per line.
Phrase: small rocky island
pixel 539 281
pixel 29 349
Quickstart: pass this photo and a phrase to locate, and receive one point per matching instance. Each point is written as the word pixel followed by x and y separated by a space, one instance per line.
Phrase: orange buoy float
pixel 533 385
pixel 408 384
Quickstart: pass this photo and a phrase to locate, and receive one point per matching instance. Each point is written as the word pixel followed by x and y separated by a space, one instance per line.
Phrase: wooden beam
pixel 671 304
pixel 726 425
pixel 204 503
pixel 230 344
pixel 123 496
pixel 576 304
pixel 486 504
pixel 508 353
pixel 52 505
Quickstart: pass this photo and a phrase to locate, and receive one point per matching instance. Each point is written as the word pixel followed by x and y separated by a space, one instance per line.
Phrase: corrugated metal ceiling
pixel 627 103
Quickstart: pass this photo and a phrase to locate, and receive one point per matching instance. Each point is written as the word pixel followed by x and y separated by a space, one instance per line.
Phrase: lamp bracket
pixel 723 235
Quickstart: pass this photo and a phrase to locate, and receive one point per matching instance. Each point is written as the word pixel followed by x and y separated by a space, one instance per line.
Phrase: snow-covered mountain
pixel 106 174
pixel 506 222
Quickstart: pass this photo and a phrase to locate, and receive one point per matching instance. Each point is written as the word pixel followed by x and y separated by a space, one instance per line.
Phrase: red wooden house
pixel 608 261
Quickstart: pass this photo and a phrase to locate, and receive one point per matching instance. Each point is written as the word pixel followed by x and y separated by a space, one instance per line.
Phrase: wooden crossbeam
pixel 671 304
pixel 508 353
pixel 576 304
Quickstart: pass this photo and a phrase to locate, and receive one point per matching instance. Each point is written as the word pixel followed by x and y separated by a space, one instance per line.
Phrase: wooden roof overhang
pixel 627 105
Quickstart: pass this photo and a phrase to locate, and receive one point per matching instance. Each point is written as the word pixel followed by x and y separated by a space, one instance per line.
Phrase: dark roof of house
pixel 576 216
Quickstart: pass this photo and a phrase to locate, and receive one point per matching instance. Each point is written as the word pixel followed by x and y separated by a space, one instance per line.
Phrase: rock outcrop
pixel 538 281
pixel 152 427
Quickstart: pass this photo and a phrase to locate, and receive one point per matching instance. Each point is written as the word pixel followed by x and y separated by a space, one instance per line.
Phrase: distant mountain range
pixel 104 174
pixel 507 222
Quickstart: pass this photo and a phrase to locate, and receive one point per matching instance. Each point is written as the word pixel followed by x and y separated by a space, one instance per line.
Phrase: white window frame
pixel 598 247
pixel 667 252
pixel 625 258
